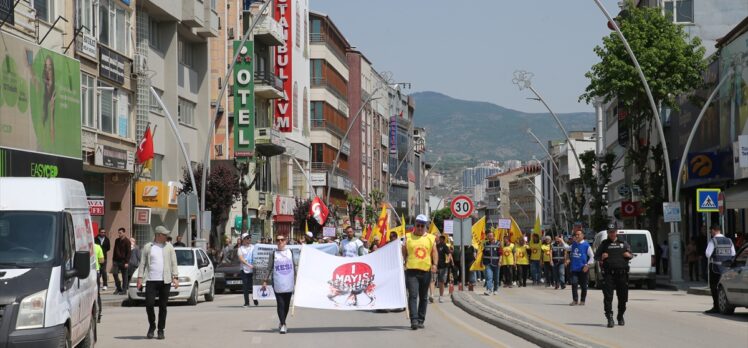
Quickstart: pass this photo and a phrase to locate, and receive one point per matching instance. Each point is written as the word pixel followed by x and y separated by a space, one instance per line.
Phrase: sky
pixel 469 49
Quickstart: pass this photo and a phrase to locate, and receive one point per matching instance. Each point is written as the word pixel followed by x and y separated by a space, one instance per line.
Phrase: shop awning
pixel 736 197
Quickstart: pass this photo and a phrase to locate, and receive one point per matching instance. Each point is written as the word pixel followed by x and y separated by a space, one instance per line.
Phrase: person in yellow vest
pixel 421 259
pixel 545 251
pixel 535 259
pixel 522 258
pixel 99 252
pixel 507 261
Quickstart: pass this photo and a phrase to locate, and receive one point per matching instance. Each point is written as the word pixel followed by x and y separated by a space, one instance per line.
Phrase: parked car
pixel 733 285
pixel 641 266
pixel 196 278
pixel 228 274
pixel 47 264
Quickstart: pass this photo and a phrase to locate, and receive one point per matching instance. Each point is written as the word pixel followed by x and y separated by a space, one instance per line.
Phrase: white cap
pixel 309 234
pixel 245 235
pixel 422 219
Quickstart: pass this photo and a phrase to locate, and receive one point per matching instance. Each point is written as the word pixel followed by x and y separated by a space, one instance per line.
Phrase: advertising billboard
pixel 244 101
pixel 283 107
pixel 39 99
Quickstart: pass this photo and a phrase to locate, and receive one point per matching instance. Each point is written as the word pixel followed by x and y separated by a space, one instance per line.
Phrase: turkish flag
pixel 318 211
pixel 145 147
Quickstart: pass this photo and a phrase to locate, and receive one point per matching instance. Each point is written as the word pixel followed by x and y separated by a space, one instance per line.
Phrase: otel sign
pixel 462 207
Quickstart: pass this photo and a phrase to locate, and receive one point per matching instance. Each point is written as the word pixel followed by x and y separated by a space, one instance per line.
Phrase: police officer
pixel 614 255
pixel 719 251
pixel 491 259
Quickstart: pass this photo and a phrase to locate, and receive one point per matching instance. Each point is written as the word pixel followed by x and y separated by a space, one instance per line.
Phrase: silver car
pixel 733 286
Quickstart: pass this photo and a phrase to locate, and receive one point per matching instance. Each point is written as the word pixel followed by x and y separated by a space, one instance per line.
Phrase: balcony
pixel 269 32
pixel 267 85
pixel 322 124
pixel 325 167
pixel 317 81
pixel 269 142
pixel 211 28
pixel 193 13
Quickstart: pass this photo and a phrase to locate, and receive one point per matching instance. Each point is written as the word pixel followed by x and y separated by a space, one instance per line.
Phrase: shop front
pixel 283 217
pixel 162 199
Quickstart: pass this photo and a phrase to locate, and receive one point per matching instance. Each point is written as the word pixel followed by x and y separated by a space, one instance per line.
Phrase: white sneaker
pixel 104 288
pixel 494 293
pixel 440 299
pixel 486 293
pixel 283 329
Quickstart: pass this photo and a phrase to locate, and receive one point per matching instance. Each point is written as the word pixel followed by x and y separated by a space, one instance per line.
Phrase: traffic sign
pixel 671 211
pixel 707 200
pixel 462 207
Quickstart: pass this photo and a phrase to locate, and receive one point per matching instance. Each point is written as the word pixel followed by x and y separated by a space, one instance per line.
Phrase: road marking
pixel 485 338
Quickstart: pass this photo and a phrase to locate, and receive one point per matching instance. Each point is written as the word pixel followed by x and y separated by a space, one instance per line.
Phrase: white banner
pixel 372 281
pixel 261 259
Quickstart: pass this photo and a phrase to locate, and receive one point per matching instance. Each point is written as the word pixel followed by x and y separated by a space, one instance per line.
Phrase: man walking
pixel 351 246
pixel 121 258
pixel 421 259
pixel 580 260
pixel 535 259
pixel 615 255
pixel 558 250
pixel 103 241
pixel 523 262
pixel 246 260
pixel 719 250
pixel 160 271
pixel 545 252
pixel 491 259
pixel 507 261
pixel 442 268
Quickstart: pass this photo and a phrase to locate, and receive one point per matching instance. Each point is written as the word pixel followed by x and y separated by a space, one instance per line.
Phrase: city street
pixel 653 317
pixel 225 323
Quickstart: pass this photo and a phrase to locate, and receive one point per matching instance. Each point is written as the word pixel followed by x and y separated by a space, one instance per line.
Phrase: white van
pixel 642 266
pixel 47 265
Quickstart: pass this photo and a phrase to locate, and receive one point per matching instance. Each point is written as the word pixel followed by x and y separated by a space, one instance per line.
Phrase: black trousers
pixel 417 283
pixel 118 270
pixel 102 267
pixel 155 289
pixel 283 302
pixel 713 281
pixel 98 295
pixel 523 271
pixel 548 273
pixel 617 281
pixel 246 286
pixel 508 273
pixel 579 279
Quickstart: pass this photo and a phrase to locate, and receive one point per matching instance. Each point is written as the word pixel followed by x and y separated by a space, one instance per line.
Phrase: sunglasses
pixel 420 225
pixel 280 240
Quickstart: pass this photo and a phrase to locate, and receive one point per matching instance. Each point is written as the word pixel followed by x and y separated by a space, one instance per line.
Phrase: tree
pixel 672 64
pixel 596 176
pixel 220 194
pixel 355 207
pixel 439 216
pixel 372 210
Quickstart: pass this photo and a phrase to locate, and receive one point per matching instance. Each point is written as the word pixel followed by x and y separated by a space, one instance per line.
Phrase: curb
pixel 517 324
pixel 703 291
pixel 668 286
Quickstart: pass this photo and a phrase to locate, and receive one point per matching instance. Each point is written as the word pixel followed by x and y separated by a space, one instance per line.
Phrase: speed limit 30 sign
pixel 462 207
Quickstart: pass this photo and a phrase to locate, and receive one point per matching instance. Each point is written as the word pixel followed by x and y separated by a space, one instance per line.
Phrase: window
pixel 298 25
pixel 318 151
pixel 185 53
pixel 305 107
pixel 88 84
pixel 155 107
pixel 316 27
pixel 295 105
pixel 68 242
pixel 86 15
pixel 45 10
pixel 317 118
pixel 679 11
pixel 107 105
pixel 638 242
pixel 157 171
pixel 316 71
pixel 154 35
pixel 186 112
pixel 114 26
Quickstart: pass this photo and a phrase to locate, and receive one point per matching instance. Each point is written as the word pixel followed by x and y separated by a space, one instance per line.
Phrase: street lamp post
pixel 674 237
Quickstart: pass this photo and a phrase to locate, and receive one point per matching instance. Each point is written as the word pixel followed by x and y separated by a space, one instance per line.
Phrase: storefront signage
pixel 318 179
pixel 393 135
pixel 96 207
pixel 39 116
pixel 86 45
pixel 283 110
pixel 152 194
pixel 142 216
pixel 110 157
pixel 111 65
pixel 244 130
pixel 175 187
pixel 32 164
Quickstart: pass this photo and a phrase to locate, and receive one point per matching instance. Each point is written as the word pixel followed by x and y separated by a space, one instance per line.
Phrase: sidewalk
pixel 110 300
pixel 693 288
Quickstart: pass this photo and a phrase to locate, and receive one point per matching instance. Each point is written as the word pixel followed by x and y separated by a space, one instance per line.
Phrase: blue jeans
pixel 492 278
pixel 535 271
pixel 558 274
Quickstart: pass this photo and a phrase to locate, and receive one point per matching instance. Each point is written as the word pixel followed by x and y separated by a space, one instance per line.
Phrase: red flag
pixel 368 232
pixel 318 211
pixel 145 147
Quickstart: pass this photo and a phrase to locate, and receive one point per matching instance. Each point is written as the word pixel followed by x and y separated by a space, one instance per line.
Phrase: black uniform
pixel 615 274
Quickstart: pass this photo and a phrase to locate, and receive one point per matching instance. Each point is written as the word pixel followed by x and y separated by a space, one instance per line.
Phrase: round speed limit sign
pixel 462 207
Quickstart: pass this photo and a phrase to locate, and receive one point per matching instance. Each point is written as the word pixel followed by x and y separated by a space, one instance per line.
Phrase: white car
pixel 733 285
pixel 196 278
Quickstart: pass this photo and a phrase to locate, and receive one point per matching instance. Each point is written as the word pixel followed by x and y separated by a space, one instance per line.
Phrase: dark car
pixel 228 274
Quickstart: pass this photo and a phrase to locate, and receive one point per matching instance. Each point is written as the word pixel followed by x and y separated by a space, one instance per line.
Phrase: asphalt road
pixel 654 318
pixel 224 323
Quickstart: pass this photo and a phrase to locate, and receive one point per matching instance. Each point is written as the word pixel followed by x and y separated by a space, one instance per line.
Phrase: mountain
pixel 464 132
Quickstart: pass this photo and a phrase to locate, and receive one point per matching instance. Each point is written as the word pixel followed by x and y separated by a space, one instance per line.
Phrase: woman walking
pixel 283 272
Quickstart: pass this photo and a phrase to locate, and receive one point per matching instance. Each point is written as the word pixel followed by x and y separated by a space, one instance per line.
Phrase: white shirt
pixel 246 253
pixel 156 268
pixel 710 246
pixel 283 272
pixel 350 247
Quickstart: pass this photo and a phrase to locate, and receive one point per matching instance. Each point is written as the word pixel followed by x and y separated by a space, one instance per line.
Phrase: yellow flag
pixel 434 230
pixel 514 232
pixel 479 234
pixel 536 228
pixel 306 227
pixel 380 229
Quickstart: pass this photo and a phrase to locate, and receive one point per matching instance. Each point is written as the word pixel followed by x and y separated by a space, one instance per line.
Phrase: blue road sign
pixel 707 200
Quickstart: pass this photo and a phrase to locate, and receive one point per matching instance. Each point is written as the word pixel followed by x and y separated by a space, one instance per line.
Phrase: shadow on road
pixel 333 329
pixel 132 338
pixel 586 324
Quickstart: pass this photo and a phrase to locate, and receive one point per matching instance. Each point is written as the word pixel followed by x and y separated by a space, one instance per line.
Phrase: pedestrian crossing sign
pixel 707 200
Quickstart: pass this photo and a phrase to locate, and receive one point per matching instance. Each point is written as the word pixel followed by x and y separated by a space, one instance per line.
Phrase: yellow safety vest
pixel 507 255
pixel 546 248
pixel 535 251
pixel 520 254
pixel 419 251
